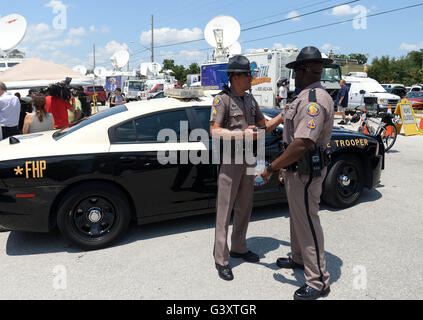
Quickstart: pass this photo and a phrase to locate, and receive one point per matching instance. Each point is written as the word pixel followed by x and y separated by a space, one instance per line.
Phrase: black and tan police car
pixel 92 179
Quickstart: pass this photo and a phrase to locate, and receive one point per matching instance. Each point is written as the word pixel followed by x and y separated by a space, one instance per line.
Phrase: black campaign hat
pixel 238 63
pixel 308 54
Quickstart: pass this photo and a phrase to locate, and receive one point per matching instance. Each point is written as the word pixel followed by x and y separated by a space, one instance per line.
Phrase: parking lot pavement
pixel 373 251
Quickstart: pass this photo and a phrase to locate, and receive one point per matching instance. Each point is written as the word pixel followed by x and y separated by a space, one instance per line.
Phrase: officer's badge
pixel 313 110
pixel 311 124
pixel 214 111
pixel 217 101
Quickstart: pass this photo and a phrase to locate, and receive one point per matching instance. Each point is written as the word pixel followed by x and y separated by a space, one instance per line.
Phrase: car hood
pixel 383 95
pixel 39 145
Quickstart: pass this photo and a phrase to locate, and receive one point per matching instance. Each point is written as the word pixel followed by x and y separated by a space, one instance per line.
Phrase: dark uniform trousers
pixel 234 187
pixel 307 241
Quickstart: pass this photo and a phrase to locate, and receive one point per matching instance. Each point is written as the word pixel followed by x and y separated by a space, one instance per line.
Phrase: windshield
pixel 98 116
pixel 136 86
pixel 331 73
pixel 415 95
pixel 373 87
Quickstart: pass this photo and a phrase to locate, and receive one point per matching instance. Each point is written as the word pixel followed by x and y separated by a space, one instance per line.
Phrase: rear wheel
pixel 93 216
pixel 389 136
pixel 344 182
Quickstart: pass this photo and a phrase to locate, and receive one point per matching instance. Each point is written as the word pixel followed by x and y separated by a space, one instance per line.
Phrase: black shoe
pixel 225 272
pixel 288 263
pixel 308 293
pixel 248 256
pixel 342 122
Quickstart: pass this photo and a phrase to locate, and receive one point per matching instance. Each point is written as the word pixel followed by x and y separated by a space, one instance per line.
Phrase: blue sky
pixel 64 31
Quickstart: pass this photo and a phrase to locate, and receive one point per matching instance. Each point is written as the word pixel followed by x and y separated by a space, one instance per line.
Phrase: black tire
pixel 93 216
pixel 389 136
pixel 344 181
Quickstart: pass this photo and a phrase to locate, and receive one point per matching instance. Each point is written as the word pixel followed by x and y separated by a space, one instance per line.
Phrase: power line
pixel 262 25
pixel 324 25
pixel 335 23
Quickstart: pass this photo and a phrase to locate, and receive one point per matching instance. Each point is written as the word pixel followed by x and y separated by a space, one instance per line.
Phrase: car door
pixel 157 174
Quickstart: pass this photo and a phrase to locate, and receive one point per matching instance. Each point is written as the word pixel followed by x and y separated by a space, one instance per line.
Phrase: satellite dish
pixel 80 69
pixel 150 68
pixel 120 59
pixel 100 71
pixel 235 49
pixel 222 31
pixel 12 30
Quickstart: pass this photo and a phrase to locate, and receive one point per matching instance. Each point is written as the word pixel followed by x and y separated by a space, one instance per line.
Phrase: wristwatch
pixel 269 168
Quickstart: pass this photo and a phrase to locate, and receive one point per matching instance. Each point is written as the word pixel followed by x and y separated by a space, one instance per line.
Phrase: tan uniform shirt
pixel 310 120
pixel 240 112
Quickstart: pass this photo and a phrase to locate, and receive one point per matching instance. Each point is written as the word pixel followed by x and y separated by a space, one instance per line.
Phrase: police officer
pixel 307 130
pixel 234 112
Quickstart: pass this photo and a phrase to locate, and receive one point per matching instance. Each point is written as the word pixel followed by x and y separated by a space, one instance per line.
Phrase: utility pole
pixel 94 55
pixel 152 38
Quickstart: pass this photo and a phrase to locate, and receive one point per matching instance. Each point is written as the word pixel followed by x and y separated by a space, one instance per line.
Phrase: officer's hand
pixel 266 174
pixel 251 132
pixel 281 176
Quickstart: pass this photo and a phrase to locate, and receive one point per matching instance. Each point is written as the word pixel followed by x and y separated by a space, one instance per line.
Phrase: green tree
pixel 361 58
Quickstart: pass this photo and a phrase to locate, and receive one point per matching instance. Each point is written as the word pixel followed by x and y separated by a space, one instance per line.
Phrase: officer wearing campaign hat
pixel 308 125
pixel 234 112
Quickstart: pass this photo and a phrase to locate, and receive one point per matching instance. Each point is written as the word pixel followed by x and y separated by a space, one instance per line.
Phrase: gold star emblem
pixel 18 171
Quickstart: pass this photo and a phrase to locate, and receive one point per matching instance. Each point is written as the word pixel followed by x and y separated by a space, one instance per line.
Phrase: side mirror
pixel 362 92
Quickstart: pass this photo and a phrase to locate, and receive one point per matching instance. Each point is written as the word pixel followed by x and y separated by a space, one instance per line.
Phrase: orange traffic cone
pixel 421 124
pixel 389 109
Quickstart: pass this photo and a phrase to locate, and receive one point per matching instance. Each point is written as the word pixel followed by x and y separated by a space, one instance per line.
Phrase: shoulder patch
pixel 311 124
pixel 217 101
pixel 313 109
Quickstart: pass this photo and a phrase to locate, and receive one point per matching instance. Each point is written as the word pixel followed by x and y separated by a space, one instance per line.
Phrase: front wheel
pixel 344 182
pixel 93 216
pixel 389 136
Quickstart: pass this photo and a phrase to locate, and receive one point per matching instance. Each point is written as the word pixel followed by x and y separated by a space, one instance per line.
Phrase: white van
pixel 374 94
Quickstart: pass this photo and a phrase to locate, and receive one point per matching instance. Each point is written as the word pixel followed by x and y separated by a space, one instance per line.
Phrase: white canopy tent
pixel 36 73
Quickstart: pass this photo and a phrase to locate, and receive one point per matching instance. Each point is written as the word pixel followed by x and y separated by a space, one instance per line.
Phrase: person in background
pixel 59 108
pixel 85 101
pixel 283 94
pixel 342 101
pixel 10 108
pixel 73 117
pixel 40 120
pixel 118 99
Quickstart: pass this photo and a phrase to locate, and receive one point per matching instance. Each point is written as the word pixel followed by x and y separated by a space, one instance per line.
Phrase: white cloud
pixel 55 4
pixel 278 45
pixel 410 47
pixel 40 32
pixel 53 45
pixel 167 35
pixel 77 32
pixel 344 10
pixel 328 46
pixel 293 14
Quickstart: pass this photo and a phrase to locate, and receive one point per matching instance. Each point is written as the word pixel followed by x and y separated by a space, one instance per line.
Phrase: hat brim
pixel 237 70
pixel 294 64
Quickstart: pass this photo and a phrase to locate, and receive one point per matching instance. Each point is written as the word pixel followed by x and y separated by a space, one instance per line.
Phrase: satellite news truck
pixel 130 86
pixel 270 69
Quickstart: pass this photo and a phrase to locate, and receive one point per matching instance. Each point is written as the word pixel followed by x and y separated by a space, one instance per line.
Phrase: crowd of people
pixel 40 111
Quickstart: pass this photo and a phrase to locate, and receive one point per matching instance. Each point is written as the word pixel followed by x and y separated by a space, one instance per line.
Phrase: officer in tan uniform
pixel 308 123
pixel 234 112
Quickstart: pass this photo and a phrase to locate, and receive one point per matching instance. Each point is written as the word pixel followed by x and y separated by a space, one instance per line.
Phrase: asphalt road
pixel 373 251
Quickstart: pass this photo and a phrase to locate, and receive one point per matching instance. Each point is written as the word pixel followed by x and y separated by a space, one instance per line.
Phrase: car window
pixel 126 132
pixel 148 127
pixel 94 118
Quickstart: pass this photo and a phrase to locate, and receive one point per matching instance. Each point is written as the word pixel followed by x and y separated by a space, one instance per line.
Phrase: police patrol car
pixel 92 179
